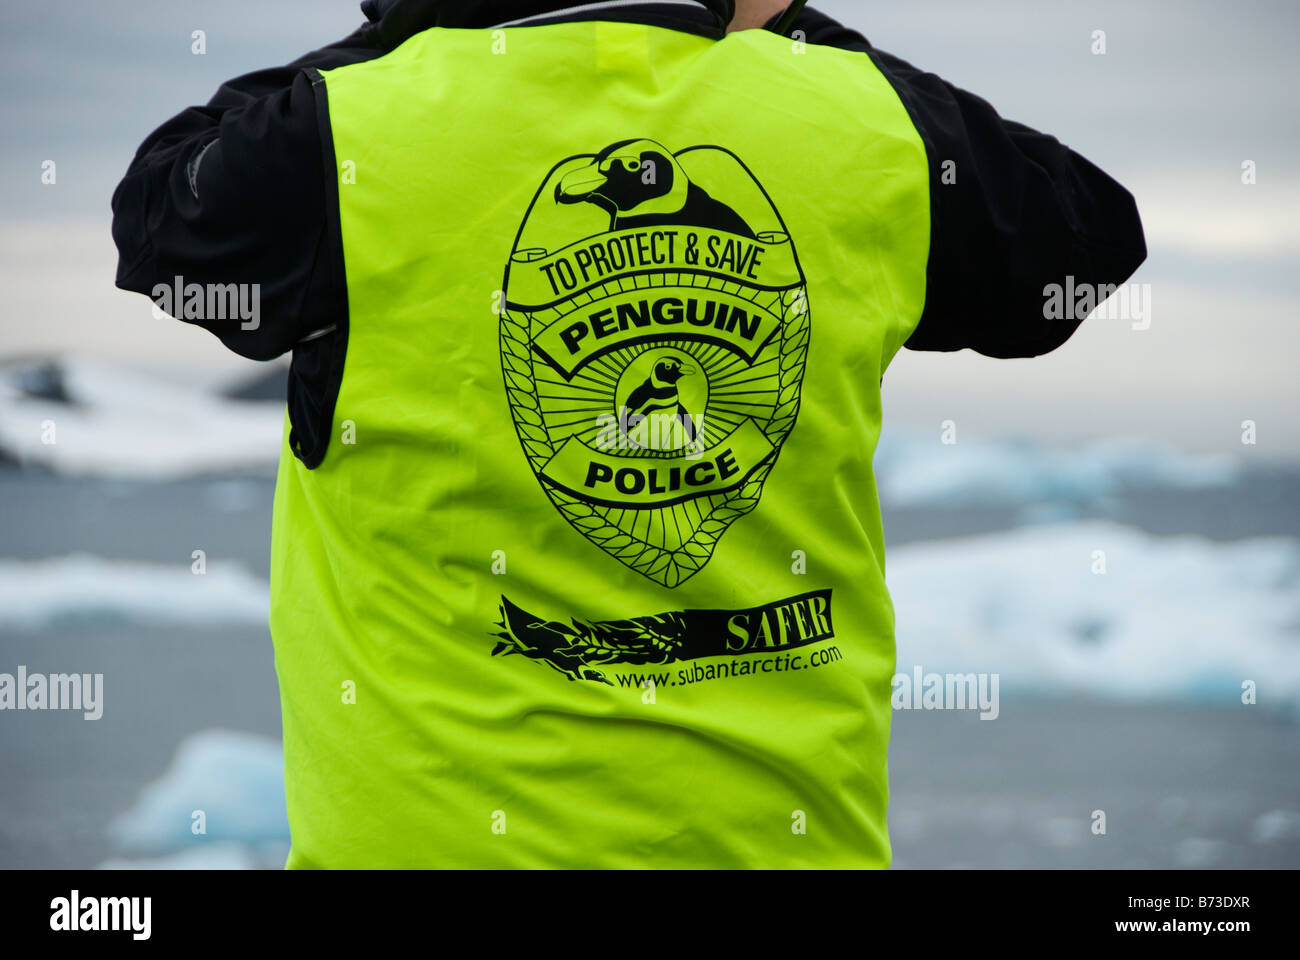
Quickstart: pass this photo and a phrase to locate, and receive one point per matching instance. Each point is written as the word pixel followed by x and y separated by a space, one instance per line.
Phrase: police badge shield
pixel 654 332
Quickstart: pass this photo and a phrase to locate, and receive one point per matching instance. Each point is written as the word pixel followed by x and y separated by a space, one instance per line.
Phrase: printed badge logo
pixel 653 342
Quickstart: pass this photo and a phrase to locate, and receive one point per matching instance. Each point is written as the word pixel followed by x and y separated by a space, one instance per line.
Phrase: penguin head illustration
pixel 622 177
pixel 671 370
pixel 640 183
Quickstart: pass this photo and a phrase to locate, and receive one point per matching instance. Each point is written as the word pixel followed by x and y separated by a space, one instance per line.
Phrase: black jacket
pixel 237 191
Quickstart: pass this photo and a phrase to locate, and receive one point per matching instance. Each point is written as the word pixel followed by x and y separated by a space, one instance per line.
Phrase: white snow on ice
pixel 1171 618
pixel 84 589
pixel 132 424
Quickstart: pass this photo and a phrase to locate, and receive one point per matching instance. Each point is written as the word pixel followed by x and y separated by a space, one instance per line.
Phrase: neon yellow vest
pixel 592 574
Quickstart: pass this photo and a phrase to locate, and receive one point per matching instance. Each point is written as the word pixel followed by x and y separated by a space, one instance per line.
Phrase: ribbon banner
pixel 539 279
pixel 642 316
pixel 632 481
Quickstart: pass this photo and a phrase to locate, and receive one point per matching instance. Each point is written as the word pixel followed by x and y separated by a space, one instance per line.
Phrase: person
pixel 577 558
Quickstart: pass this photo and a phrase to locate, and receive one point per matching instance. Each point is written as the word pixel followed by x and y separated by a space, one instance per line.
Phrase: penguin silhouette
pixel 616 181
pixel 658 394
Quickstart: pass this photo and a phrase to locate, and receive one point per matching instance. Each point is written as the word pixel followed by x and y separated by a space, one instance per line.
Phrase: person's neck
pixel 755 14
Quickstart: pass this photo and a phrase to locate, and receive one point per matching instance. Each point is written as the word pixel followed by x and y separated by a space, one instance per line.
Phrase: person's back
pixel 577 558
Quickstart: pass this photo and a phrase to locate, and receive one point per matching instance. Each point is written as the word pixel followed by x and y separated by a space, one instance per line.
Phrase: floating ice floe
pixel 1170 618
pixel 81 589
pixel 916 470
pixel 231 784
pixel 84 417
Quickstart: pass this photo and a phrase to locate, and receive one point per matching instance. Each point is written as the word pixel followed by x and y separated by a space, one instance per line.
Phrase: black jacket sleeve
pixel 1025 212
pixel 244 191
pixel 236 192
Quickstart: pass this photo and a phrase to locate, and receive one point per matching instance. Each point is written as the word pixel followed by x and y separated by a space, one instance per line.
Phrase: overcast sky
pixel 1186 92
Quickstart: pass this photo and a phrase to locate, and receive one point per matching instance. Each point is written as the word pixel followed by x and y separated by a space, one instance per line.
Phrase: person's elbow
pixel 1098 247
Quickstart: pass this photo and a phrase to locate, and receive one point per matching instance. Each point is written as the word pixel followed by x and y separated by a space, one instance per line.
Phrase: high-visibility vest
pixel 593 573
